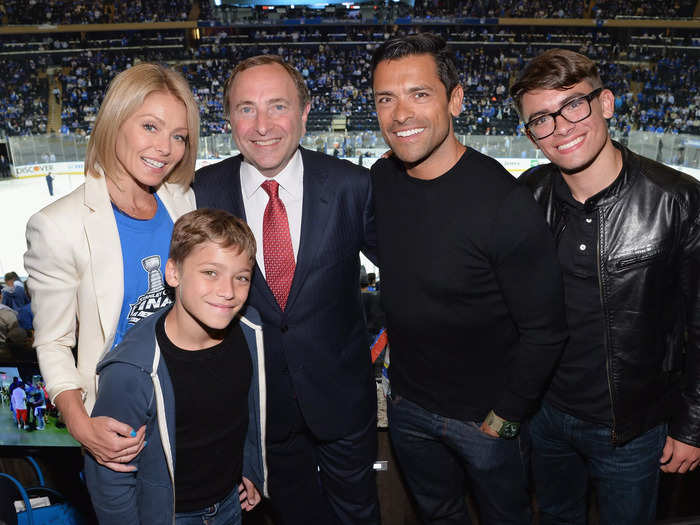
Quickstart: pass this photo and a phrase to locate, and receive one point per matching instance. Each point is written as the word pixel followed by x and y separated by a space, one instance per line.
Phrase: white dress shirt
pixel 291 192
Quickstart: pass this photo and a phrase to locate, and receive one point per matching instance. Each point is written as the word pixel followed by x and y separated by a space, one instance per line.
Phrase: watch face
pixel 509 430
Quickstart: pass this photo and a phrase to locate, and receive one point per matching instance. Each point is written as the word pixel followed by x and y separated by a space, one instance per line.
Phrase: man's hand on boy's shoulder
pixel 249 494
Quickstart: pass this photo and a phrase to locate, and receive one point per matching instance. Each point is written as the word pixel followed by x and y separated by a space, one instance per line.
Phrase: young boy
pixel 173 371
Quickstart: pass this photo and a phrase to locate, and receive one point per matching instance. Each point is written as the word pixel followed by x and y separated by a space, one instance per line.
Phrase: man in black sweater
pixel 628 239
pixel 471 290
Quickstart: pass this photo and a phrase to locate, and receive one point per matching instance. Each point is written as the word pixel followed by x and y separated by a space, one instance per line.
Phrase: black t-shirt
pixel 211 416
pixel 471 289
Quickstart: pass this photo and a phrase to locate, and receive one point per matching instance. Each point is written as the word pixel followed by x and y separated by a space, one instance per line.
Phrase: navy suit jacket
pixel 316 349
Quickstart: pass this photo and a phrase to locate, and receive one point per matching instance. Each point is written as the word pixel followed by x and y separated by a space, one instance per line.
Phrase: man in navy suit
pixel 311 215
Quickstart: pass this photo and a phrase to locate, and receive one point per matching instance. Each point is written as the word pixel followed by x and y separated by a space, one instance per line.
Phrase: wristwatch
pixel 504 429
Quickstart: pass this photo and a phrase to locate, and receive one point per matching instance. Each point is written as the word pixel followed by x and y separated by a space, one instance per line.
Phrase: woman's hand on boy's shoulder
pixel 249 494
pixel 114 444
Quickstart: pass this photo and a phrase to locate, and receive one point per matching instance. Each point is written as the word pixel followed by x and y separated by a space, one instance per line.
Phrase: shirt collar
pixel 289 179
pixel 563 192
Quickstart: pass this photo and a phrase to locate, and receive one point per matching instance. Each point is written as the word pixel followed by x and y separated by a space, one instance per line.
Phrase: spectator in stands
pixel 22 95
pixel 628 240
pixel 25 315
pixel 13 294
pixel 10 330
pixel 98 12
pixel 97 254
pixel 338 75
pixel 471 292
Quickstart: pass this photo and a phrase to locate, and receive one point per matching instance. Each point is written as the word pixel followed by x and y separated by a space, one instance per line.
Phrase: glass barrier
pixel 42 149
pixel 676 149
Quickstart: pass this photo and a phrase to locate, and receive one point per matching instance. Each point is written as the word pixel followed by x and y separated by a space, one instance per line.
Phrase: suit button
pixel 284 328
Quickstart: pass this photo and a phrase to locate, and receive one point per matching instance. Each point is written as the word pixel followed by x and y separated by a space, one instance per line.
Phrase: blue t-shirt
pixel 145 245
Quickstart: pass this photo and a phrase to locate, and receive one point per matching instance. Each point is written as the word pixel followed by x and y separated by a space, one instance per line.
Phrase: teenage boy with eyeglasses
pixel 628 238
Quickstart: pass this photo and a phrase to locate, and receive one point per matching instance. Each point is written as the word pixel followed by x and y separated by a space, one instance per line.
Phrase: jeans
pixel 225 512
pixel 567 453
pixel 438 455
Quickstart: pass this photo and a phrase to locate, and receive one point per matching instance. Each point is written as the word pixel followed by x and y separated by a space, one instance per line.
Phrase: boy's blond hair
pixel 210 225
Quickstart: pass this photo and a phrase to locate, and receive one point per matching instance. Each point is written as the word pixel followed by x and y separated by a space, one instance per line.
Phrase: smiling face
pixel 572 147
pixel 211 285
pixel 415 114
pixel 267 120
pixel 152 141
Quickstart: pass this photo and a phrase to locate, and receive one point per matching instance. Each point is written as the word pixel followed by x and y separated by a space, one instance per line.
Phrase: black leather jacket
pixel 648 250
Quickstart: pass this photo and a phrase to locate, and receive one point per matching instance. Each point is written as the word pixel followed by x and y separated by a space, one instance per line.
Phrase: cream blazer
pixel 76 277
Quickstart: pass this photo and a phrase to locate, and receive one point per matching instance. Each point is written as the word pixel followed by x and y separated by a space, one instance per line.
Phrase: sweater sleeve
pixel 125 394
pixel 526 267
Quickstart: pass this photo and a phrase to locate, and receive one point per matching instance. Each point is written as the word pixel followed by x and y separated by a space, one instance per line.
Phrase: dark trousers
pixel 313 482
pixel 568 453
pixel 439 455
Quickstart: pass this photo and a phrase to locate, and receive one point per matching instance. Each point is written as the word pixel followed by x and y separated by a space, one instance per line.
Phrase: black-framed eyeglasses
pixel 576 110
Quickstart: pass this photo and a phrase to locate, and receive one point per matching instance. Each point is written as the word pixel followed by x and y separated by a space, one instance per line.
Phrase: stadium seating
pixel 653 71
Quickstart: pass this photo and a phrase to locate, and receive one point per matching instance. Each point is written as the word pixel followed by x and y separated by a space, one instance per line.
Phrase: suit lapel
pixel 105 254
pixel 314 221
pixel 236 193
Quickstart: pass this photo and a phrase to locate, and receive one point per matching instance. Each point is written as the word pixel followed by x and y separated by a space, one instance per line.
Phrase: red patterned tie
pixel 277 245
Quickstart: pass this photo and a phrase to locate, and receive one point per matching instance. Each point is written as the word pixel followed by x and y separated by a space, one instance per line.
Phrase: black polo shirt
pixel 580 384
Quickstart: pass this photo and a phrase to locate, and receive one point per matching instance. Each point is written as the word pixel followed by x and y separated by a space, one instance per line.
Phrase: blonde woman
pixel 95 257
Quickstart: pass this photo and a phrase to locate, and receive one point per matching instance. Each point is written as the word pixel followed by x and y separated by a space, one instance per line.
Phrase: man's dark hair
pixel 554 69
pixel 421 44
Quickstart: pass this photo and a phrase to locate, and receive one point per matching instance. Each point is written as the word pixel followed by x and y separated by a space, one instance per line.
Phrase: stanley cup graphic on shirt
pixel 155 297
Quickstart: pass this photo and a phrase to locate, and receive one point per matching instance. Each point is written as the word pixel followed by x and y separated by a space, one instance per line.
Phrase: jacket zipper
pixel 605 325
